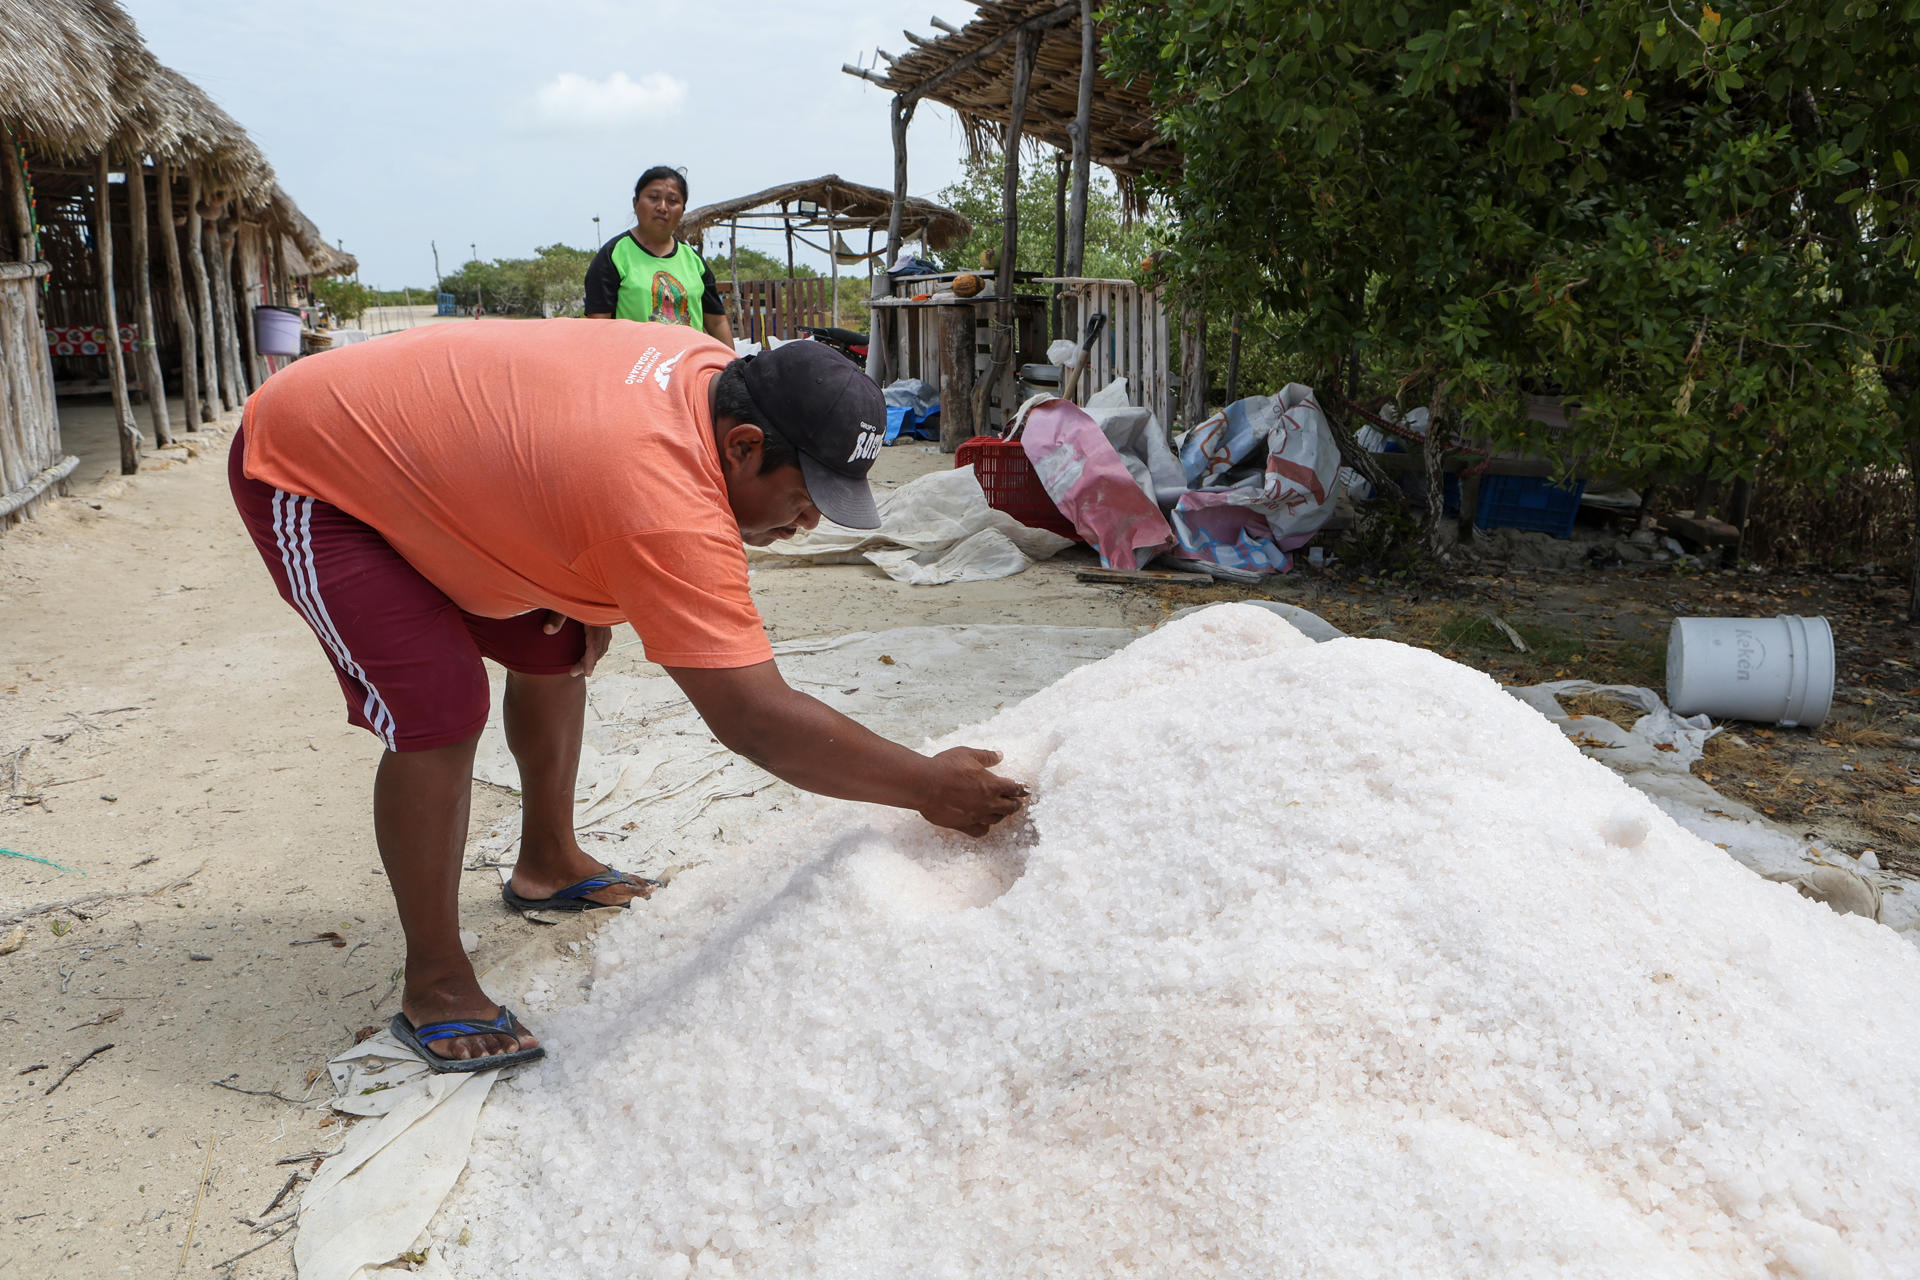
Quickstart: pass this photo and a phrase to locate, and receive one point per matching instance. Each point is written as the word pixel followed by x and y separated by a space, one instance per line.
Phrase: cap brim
pixel 845 501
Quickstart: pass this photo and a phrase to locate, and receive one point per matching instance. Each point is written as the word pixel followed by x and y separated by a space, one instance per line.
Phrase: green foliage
pixel 344 299
pixel 417 296
pixel 754 265
pixel 1699 226
pixel 1115 244
pixel 553 278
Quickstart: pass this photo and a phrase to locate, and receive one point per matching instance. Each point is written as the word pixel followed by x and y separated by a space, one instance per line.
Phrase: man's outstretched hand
pixel 966 795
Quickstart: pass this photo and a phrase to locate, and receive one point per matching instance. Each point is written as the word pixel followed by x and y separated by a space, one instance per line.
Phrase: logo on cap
pixel 867 447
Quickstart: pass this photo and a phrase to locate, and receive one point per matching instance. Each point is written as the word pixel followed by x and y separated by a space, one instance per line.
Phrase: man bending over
pixel 511 490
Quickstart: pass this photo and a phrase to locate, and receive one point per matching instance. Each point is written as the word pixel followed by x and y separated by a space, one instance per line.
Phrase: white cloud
pixel 572 102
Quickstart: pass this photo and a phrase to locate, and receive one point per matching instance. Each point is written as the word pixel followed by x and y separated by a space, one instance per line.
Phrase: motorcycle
pixel 848 343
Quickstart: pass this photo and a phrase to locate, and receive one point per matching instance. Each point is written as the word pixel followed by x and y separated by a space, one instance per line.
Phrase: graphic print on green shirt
pixel 670 290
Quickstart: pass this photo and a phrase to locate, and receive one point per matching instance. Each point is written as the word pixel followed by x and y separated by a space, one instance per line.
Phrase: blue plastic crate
pixel 1522 502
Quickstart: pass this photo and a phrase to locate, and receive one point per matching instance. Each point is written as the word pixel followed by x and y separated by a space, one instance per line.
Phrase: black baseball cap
pixel 833 414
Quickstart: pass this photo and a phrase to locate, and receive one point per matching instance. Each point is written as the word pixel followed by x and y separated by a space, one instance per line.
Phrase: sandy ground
pixel 182 749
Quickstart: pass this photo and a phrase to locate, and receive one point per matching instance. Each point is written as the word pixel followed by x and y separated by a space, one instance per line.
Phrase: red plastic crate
pixel 1007 477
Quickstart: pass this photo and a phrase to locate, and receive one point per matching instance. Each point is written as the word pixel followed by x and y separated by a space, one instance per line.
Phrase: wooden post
pixel 148 344
pixel 282 289
pixel 733 265
pixel 110 316
pixel 901 112
pixel 956 375
pixel 232 382
pixel 222 389
pixel 197 263
pixel 1193 368
pixel 1060 171
pixel 182 313
pixel 1233 363
pixel 246 242
pixel 1082 147
pixel 833 257
pixel 17 193
pixel 1026 45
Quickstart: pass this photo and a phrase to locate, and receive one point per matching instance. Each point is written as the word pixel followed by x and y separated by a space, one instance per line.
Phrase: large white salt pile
pixel 1324 960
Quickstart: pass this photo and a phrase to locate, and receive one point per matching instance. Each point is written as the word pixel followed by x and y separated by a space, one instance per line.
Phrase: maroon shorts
pixel 408 658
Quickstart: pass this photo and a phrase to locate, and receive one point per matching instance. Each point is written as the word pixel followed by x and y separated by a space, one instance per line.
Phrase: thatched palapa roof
pixel 854 206
pixel 971 71
pixel 76 78
pixel 67 67
pixel 307 252
pixel 176 122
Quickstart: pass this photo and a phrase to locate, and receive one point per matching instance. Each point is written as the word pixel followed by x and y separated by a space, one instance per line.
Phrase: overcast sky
pixel 395 123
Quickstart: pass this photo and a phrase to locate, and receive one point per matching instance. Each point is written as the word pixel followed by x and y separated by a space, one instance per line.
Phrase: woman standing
pixel 646 273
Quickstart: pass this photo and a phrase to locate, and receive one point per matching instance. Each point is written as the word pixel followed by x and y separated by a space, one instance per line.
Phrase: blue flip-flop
pixel 574 896
pixel 418 1038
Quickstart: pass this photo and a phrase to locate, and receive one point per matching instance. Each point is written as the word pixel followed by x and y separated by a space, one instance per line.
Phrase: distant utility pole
pixel 436 265
pixel 479 295
pixel 596 232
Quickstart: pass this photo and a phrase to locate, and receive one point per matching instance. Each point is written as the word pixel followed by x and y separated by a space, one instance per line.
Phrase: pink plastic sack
pixel 1083 474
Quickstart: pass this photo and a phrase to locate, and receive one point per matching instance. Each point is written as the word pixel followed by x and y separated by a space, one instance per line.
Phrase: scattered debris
pixel 75 1067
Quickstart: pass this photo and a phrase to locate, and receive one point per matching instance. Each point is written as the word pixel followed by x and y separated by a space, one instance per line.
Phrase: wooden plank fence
pixel 1137 344
pixel 779 308
pixel 32 462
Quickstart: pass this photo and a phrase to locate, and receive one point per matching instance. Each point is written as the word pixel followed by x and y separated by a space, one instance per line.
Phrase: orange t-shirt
pixel 531 464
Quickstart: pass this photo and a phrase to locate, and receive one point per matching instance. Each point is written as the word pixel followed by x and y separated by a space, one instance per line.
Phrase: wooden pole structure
pixel 182 313
pixel 282 290
pixel 110 315
pixel 249 264
pixel 1081 134
pixel 232 386
pixel 901 114
pixel 1193 368
pixel 148 344
pixel 1061 167
pixel 197 263
pixel 1025 46
pixel 833 258
pixel 17 194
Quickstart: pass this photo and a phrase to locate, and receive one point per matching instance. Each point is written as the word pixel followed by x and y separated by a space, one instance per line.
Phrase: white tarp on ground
pixel 934 529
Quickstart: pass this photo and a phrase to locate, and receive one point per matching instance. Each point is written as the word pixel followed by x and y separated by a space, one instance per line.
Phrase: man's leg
pixel 421 800
pixel 545 715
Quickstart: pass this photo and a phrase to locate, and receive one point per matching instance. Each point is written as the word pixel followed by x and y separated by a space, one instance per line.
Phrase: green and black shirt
pixel 628 281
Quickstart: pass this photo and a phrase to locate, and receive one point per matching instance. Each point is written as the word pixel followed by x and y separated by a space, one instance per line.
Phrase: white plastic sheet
pixel 932 517
pixel 1137 434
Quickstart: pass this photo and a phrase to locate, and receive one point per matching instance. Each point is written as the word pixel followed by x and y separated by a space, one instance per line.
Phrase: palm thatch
pixel 175 121
pixel 66 69
pixel 854 205
pixel 308 253
pixel 1121 129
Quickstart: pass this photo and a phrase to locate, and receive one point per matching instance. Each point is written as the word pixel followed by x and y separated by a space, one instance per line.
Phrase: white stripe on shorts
pixel 293 533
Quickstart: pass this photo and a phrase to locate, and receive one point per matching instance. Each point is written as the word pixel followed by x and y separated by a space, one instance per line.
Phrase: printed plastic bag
pixel 1084 475
pixel 1294 490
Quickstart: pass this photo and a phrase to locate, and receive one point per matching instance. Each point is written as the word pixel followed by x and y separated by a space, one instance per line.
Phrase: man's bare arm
pixel 801 740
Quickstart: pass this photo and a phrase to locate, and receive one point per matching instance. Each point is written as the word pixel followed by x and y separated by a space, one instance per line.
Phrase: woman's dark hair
pixel 731 399
pixel 658 172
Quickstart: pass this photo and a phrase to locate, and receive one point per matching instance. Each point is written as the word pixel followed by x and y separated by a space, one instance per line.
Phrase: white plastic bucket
pixel 1771 670
pixel 276 331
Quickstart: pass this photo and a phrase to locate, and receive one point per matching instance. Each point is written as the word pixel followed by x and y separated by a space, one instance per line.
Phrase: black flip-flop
pixel 574 896
pixel 418 1038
